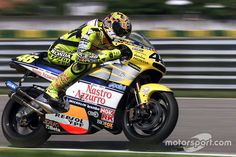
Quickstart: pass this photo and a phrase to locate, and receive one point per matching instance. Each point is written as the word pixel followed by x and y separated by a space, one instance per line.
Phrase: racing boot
pixel 51 93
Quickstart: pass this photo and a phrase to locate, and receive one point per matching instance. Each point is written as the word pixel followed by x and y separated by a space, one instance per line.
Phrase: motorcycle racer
pixel 83 49
pixel 117 97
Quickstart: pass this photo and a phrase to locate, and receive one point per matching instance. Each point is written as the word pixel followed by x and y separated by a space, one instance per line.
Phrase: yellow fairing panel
pixel 121 74
pixel 148 89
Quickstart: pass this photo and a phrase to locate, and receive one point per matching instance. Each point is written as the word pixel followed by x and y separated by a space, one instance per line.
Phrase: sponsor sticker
pixel 72 120
pixel 51 125
pixel 41 72
pixel 107 114
pixel 93 107
pixel 117 86
pixel 44 74
pixel 95 114
pixel 94 94
pixel 105 124
pixel 65 119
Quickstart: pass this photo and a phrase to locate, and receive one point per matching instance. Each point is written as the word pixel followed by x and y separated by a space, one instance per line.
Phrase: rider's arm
pixel 84 54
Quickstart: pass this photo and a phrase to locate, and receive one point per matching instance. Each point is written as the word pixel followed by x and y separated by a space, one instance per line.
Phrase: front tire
pixel 155 128
pixel 18 132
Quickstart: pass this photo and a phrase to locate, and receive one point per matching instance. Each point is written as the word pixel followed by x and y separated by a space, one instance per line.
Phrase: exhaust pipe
pixel 21 101
pixel 44 106
pixel 17 98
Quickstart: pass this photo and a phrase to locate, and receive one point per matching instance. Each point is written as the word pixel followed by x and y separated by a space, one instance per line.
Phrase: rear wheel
pixel 151 123
pixel 20 129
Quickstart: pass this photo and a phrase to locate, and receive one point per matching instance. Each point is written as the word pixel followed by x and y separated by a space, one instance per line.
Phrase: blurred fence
pixel 191 64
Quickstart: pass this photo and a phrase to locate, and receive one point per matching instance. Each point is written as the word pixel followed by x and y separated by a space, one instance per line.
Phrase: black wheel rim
pixel 25 125
pixel 146 128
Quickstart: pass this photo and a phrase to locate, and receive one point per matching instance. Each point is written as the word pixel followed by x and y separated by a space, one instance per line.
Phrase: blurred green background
pixel 216 9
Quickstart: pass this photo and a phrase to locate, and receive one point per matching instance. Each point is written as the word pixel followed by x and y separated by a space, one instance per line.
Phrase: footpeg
pixel 55 103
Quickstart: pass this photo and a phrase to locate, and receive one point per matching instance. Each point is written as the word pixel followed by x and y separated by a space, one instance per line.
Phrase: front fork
pixel 140 109
pixel 136 93
pixel 143 94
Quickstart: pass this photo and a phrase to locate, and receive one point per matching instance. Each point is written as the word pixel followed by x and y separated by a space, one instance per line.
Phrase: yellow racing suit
pixel 80 50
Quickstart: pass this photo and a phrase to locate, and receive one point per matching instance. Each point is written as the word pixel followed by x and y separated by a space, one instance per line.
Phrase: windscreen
pixel 140 39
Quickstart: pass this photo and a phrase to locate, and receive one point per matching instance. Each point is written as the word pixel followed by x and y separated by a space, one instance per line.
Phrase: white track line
pixel 121 151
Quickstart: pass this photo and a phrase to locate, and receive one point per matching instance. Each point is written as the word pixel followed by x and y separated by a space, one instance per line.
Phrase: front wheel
pixel 152 123
pixel 23 131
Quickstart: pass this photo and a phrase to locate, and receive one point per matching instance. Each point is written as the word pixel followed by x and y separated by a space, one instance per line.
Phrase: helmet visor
pixel 119 30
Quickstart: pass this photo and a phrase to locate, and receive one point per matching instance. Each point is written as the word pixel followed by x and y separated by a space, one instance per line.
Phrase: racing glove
pixel 108 55
pixel 100 56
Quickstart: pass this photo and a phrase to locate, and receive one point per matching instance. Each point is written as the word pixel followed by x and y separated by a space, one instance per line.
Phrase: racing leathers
pixel 80 50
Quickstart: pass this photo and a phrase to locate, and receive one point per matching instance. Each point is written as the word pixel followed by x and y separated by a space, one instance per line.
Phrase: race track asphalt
pixel 216 117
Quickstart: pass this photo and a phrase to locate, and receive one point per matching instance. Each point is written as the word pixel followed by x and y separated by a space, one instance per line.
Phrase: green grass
pixel 12 152
pixel 4 90
pixel 206 93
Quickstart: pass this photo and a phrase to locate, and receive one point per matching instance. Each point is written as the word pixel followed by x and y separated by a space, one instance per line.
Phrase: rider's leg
pixel 66 77
pixel 81 66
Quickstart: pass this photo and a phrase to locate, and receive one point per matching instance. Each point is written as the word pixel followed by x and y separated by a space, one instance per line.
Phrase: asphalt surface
pixel 216 117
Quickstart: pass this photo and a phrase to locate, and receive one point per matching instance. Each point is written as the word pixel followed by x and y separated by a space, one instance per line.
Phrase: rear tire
pixel 32 135
pixel 160 124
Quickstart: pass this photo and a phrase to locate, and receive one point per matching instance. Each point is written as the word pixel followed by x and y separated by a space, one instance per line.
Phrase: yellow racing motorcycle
pixel 121 95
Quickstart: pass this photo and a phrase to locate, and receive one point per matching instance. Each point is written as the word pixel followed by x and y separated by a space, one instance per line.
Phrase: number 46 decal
pixel 27 58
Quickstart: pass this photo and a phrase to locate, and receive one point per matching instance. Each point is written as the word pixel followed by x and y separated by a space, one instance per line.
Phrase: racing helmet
pixel 117 24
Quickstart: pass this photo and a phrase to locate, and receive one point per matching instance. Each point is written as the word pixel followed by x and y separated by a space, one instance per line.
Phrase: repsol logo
pixel 72 120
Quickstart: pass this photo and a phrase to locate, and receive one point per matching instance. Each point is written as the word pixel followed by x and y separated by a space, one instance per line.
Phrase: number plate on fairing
pixel 27 58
